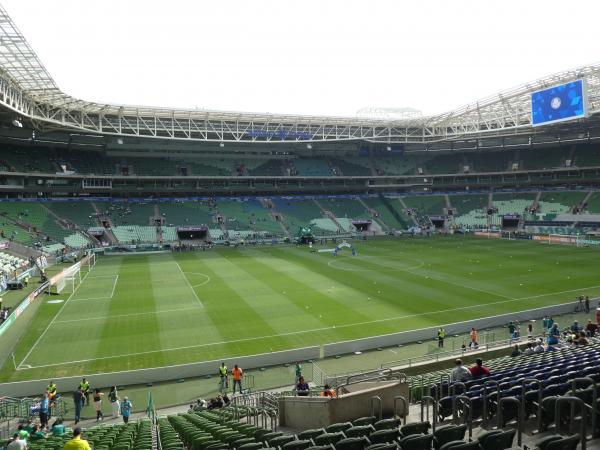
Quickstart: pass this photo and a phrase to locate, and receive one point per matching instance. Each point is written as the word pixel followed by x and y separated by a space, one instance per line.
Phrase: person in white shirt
pixel 460 373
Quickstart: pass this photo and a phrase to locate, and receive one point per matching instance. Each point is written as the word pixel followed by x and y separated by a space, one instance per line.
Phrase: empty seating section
pixel 12 232
pixel 93 163
pixel 268 168
pixel 80 213
pixel 567 199
pixel 135 234
pixel 151 166
pixel 486 161
pixel 124 213
pixel 76 240
pixel 27 160
pixel 247 215
pixel 345 207
pixel 593 203
pixel 169 234
pixel 352 168
pixel 297 213
pixel 430 205
pixel 514 204
pixel 394 165
pixel 187 213
pixel 439 164
pixel 53 249
pixel 587 156
pixel 34 214
pixel 471 210
pixel 545 158
pixel 312 167
pixel 207 167
pixel 383 213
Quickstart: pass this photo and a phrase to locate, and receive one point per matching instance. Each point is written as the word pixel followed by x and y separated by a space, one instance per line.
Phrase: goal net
pixel 565 239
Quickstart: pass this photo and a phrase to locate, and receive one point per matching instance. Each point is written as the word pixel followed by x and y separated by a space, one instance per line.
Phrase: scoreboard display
pixel 559 103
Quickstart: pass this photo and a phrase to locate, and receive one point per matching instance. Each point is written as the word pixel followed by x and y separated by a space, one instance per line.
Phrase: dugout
pixel 439 222
pixel 362 225
pixel 510 221
pixel 194 233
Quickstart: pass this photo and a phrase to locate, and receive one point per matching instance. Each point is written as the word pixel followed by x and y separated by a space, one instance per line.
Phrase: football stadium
pixel 219 280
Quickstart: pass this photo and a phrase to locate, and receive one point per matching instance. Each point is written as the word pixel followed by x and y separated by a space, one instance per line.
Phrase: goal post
pixel 565 239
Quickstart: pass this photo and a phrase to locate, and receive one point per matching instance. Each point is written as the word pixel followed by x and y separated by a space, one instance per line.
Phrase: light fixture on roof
pixel 309 146
pixel 221 144
pixel 389 148
pixel 17 123
pixel 120 141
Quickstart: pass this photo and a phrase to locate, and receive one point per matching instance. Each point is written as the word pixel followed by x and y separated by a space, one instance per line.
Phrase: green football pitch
pixel 153 310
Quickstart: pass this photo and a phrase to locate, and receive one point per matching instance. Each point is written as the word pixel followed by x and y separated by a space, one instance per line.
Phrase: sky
pixel 313 57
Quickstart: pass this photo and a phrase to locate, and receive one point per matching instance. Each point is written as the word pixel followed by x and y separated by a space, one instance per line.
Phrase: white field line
pixel 195 308
pixel 189 285
pixel 313 330
pixel 116 277
pixel 53 319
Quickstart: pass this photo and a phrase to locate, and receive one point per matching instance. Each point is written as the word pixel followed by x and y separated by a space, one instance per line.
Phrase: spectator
pixel 115 406
pixel 44 406
pixel 460 373
pixel 479 370
pixel 84 386
pixel 473 337
pixel 550 322
pixel 78 399
pixel 58 429
pixel 98 404
pixel 530 330
pixel 298 372
pixel 539 347
pixel 77 443
pixel 575 327
pixel 226 400
pixel 126 408
pixel 237 374
pixel 587 303
pixel 302 388
pixel 17 443
pixel 516 351
pixel 200 405
pixel 580 339
pixel 38 434
pixel 529 349
pixel 24 432
pixel 591 328
pixel 328 391
pixel 511 329
pixel 553 334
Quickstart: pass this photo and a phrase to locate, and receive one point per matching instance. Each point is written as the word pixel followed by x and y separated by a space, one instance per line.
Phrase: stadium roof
pixel 29 90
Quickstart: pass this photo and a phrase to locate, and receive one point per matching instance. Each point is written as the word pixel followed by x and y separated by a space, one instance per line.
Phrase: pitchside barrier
pixel 36 387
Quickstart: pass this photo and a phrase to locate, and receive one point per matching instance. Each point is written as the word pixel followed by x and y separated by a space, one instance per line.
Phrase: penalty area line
pixel 190 286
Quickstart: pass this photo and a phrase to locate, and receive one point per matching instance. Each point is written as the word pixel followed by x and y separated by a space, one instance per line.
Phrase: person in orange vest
pixel 237 374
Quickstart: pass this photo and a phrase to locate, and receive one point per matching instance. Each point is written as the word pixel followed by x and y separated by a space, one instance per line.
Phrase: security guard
pixel 85 388
pixel 441 335
pixel 223 374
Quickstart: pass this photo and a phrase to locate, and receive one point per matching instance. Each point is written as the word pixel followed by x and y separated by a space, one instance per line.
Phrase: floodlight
pixel 17 123
pixel 221 144
pixel 309 146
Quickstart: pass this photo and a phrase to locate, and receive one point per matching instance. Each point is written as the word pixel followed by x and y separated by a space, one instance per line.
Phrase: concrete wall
pixel 36 387
pixel 315 412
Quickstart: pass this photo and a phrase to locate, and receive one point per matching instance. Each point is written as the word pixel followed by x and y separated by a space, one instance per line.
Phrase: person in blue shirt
pixel 553 334
pixel 44 405
pixel 126 408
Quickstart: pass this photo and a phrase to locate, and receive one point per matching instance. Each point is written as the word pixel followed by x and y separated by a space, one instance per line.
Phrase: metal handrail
pixel 373 400
pixel 467 403
pixel 572 401
pixel 514 401
pixel 486 384
pixel 526 382
pixel 593 410
pixel 426 400
pixel 401 399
